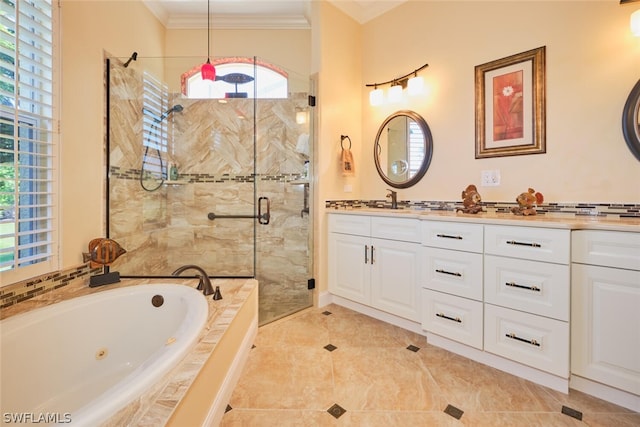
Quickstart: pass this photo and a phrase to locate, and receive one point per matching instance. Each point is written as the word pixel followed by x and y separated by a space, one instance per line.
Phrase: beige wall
pixel 89 29
pixel 592 62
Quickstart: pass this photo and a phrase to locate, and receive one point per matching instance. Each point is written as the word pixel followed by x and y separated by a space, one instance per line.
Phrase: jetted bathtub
pixel 83 359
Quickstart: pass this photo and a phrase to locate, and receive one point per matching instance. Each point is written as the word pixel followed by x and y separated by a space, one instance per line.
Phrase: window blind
pixel 28 136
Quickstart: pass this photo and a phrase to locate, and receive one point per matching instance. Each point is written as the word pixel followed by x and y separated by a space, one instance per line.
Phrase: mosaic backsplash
pixel 613 210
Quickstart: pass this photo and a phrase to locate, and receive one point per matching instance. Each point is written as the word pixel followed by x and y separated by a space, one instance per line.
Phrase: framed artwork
pixel 511 105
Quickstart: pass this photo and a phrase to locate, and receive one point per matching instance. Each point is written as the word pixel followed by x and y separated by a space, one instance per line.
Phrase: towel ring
pixel 342 138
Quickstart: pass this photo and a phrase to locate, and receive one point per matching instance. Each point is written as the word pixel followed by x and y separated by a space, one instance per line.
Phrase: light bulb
pixel 415 86
pixel 395 94
pixel 635 23
pixel 376 97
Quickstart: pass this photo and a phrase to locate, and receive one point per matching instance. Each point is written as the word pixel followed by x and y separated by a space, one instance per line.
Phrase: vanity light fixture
pixel 208 70
pixel 415 86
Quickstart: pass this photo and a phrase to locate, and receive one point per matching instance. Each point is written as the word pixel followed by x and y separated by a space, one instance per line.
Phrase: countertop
pixel 155 406
pixel 566 221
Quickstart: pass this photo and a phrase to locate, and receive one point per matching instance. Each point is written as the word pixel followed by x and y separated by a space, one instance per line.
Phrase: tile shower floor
pixel 335 367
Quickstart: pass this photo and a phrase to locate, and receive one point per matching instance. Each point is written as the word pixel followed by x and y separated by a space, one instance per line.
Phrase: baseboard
pixel 604 392
pixel 377 314
pixel 219 406
pixel 534 375
pixel 324 298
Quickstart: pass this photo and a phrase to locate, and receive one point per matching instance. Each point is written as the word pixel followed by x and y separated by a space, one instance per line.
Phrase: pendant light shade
pixel 208 70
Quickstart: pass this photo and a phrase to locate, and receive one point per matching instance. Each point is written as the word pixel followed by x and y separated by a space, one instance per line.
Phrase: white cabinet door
pixel 605 326
pixel 349 268
pixel 394 277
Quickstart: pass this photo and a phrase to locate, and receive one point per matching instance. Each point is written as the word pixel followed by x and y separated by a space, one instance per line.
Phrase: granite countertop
pixel 567 221
pixel 156 405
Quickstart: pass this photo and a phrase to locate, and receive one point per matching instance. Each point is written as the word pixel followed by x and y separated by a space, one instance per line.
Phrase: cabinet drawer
pixel 539 244
pixel 404 229
pixel 453 272
pixel 606 248
pixel 531 286
pixel 350 224
pixel 452 235
pixel 456 318
pixel 535 341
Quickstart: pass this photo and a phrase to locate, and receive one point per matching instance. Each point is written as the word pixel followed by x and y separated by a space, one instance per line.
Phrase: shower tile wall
pixel 212 144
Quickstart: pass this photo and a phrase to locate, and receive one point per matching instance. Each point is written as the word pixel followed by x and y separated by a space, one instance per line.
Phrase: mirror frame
pixel 427 154
pixel 631 119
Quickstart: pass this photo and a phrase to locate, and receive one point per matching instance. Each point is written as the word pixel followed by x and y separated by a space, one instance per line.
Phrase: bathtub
pixel 81 360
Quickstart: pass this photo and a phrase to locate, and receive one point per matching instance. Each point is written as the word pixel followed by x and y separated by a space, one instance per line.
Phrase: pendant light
pixel 208 70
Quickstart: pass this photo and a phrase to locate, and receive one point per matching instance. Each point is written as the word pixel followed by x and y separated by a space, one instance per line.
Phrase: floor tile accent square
pixel 572 412
pixel 228 408
pixel 413 348
pixel 453 411
pixel 326 313
pixel 330 347
pixel 336 411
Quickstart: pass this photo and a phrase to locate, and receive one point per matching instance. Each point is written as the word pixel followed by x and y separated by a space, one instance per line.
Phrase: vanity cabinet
pixel 605 316
pixel 375 261
pixel 451 281
pixel 526 295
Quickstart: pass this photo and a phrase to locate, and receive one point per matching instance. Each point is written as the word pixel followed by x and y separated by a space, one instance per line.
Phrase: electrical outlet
pixel 490 178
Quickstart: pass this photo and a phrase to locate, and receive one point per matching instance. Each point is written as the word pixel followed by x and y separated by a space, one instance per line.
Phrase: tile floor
pixel 347 369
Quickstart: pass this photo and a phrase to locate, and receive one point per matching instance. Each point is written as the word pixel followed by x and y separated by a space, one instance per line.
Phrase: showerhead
pixel 134 56
pixel 175 109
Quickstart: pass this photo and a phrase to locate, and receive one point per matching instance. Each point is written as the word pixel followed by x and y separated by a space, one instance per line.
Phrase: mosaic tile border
pixel 613 210
pixel 27 289
pixel 197 178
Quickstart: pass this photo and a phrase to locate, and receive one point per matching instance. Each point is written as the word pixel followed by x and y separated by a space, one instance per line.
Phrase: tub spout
pixel 204 285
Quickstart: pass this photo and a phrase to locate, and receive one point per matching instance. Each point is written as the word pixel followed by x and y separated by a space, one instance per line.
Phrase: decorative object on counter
pixel 631 121
pixel 471 200
pixel 511 106
pixel 103 252
pixel 346 158
pixel 527 202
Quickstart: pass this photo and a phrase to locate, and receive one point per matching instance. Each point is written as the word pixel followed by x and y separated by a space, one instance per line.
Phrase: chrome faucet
pixel 205 284
pixel 394 198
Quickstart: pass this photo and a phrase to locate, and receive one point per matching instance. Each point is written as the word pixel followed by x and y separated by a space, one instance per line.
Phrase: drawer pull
pixel 515 285
pixel 444 316
pixel 449 272
pixel 515 242
pixel 517 338
pixel 447 236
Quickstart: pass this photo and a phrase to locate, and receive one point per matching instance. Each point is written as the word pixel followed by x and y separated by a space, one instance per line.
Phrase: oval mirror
pixel 631 121
pixel 403 149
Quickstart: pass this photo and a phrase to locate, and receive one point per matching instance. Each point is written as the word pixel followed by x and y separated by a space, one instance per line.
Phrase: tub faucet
pixel 394 198
pixel 204 285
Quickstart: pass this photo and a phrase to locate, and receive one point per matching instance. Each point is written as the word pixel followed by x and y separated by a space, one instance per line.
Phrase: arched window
pixel 237 78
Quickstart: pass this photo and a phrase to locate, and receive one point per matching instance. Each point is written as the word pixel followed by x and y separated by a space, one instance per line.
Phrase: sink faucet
pixel 394 198
pixel 205 284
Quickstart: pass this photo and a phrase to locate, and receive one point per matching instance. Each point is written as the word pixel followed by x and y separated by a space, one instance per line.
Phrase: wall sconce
pixel 414 85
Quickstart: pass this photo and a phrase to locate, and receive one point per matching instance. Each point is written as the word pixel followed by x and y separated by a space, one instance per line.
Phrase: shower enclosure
pixel 211 174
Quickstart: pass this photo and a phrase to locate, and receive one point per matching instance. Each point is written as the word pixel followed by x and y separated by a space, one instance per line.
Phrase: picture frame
pixel 510 113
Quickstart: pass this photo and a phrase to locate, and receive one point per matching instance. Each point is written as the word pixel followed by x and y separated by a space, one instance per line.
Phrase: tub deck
pixel 156 405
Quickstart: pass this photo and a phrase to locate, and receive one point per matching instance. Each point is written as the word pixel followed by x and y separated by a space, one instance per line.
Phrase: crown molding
pixel 254 22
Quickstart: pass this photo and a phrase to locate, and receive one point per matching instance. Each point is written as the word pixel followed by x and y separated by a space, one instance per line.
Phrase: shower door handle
pixel 263 218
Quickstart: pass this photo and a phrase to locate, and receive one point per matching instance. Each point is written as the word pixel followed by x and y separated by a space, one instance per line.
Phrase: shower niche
pixel 191 178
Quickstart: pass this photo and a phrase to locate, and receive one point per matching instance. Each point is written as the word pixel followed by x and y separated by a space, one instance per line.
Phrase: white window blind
pixel 155 106
pixel 28 138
